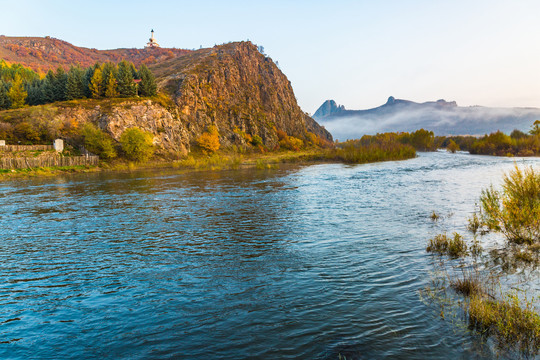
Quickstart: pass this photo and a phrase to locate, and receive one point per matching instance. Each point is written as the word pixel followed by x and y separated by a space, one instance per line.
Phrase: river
pixel 301 262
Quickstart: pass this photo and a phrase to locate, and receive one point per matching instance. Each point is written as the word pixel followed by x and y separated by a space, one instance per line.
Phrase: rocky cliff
pixel 238 89
pixel 232 87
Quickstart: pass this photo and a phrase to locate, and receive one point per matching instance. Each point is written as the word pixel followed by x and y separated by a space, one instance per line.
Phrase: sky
pixel 356 52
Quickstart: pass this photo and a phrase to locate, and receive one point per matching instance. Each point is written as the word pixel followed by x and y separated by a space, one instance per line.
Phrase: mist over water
pixel 474 120
pixel 297 263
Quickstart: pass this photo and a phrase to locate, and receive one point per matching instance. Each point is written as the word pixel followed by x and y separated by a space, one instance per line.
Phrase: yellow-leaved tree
pixel 16 93
pixel 209 140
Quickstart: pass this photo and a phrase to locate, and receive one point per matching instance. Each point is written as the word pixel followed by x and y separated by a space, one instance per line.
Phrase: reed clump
pixel 443 244
pixel 513 322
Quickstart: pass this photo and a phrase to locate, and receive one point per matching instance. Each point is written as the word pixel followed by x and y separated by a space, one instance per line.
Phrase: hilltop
pixel 442 117
pixel 42 54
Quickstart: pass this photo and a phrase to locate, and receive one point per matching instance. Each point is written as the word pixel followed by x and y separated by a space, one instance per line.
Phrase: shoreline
pixel 196 162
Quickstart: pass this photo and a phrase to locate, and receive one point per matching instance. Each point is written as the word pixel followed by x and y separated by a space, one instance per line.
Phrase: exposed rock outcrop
pixel 237 89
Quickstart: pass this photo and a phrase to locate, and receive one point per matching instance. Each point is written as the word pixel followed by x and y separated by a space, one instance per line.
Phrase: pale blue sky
pixel 356 52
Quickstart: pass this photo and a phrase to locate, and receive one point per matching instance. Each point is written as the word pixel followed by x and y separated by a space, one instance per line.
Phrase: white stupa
pixel 152 43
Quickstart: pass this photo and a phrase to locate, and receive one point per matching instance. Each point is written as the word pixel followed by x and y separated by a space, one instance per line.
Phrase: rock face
pixel 237 89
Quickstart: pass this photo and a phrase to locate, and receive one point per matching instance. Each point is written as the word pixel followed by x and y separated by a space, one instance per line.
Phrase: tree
pixel 126 87
pixel 138 145
pixel 96 82
pixel 209 140
pixel 48 87
pixel 98 142
pixel 16 93
pixel 60 84
pixel 452 146
pixel 110 89
pixel 5 102
pixel 36 95
pixel 147 86
pixel 75 83
pixel 535 130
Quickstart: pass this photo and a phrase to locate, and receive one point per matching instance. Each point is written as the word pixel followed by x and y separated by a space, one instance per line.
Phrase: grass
pixel 199 161
pixel 45 171
pixel 453 247
pixel 513 322
pixel 468 284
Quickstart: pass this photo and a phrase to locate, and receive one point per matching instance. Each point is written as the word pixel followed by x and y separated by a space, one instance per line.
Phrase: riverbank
pixel 220 161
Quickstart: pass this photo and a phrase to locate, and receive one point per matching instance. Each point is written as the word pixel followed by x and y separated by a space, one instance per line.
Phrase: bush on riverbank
pixel 515 210
pixel 137 144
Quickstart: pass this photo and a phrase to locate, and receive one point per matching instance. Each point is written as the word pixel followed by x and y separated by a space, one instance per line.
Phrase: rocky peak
pixel 329 107
pixel 237 89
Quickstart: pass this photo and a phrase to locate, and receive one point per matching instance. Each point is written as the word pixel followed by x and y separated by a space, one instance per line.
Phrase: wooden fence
pixel 48 161
pixel 13 148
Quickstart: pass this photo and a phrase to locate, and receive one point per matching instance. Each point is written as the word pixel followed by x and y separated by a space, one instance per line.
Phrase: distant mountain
pixel 441 117
pixel 42 54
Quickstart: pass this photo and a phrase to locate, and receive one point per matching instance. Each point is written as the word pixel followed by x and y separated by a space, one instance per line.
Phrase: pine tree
pixel 36 92
pixel 60 84
pixel 5 102
pixel 48 87
pixel 126 86
pixel 96 87
pixel 16 93
pixel 75 83
pixel 147 86
pixel 107 70
pixel 110 90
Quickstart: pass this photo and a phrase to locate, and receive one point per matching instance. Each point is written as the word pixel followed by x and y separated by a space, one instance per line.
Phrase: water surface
pixel 300 262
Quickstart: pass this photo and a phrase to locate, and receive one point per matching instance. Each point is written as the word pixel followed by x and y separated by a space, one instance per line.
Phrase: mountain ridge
pixel 440 116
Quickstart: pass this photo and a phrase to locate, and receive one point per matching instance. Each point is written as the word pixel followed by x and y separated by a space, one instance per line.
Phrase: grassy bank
pixel 232 160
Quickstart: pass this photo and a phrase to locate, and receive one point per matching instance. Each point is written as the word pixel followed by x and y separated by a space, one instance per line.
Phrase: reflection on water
pixel 294 263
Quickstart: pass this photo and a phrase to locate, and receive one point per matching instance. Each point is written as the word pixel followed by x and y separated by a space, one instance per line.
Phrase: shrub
pixel 209 140
pixel 452 146
pixel 98 142
pixel 514 210
pixel 256 140
pixel 512 323
pixel 444 245
pixel 137 144
pixel 291 143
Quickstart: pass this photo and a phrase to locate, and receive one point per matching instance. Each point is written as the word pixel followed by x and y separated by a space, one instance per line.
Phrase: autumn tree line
pixel 21 86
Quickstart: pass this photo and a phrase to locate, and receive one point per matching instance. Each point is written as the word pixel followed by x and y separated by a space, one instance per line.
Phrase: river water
pixel 299 262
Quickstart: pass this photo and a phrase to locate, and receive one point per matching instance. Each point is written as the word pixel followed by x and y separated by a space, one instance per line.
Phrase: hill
pixel 441 117
pixel 42 54
pixel 231 88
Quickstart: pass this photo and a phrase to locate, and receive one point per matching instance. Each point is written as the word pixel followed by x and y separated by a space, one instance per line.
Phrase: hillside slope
pixel 42 54
pixel 441 117
pixel 232 87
